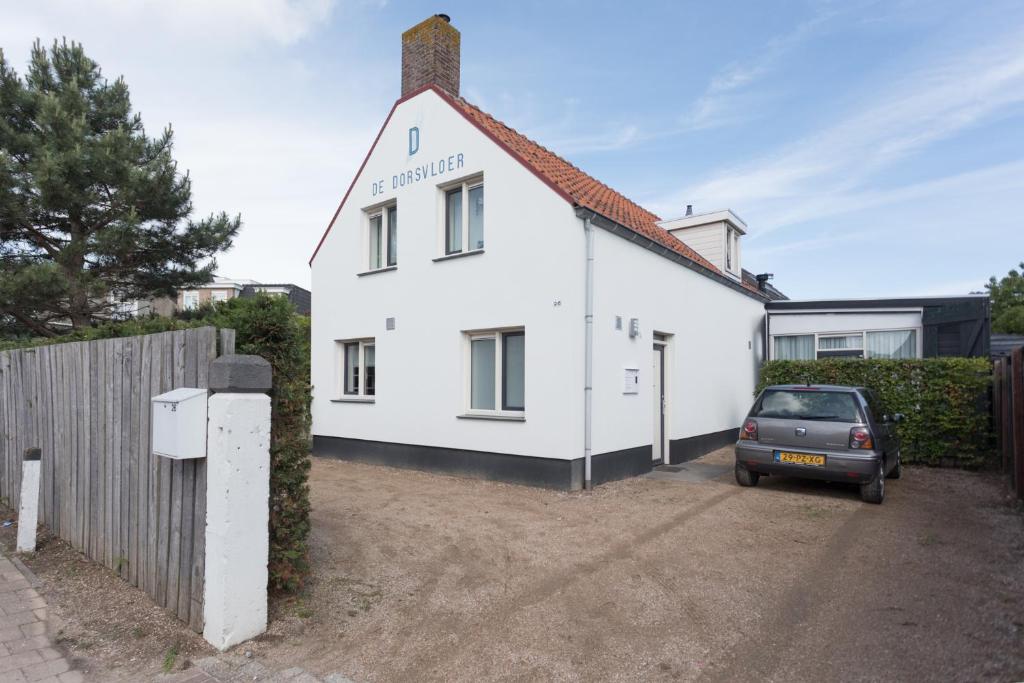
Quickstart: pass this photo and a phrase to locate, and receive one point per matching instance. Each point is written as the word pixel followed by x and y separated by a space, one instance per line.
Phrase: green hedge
pixel 269 327
pixel 944 401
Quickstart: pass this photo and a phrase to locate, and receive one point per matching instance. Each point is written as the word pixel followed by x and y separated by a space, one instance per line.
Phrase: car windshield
pixel 808 404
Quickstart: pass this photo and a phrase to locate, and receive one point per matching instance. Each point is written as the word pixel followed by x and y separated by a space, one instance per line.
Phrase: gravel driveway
pixel 426 577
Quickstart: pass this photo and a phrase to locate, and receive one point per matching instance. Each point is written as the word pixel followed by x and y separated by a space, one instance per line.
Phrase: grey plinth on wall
pixel 240 374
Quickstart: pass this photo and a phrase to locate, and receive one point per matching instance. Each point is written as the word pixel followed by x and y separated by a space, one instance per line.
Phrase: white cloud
pixel 831 171
pixel 221 21
pixel 721 103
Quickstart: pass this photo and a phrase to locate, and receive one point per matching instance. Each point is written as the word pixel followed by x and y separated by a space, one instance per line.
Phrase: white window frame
pixel 730 257
pixel 497 335
pixel 852 333
pixel 360 394
pixel 465 185
pixel 383 212
pixel 188 295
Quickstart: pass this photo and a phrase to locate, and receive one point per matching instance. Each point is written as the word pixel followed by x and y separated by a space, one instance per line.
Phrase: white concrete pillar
pixel 28 510
pixel 237 502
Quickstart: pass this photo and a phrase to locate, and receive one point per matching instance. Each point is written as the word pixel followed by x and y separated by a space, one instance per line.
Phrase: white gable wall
pixel 530 275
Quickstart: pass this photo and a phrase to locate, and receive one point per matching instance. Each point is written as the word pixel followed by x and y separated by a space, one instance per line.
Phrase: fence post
pixel 237 500
pixel 1017 419
pixel 28 512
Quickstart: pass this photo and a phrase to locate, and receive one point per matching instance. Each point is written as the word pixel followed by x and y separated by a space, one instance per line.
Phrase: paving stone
pixel 26 653
pixel 25 644
pixel 18 661
pixel 46 669
pixel 36 628
pixel 12 677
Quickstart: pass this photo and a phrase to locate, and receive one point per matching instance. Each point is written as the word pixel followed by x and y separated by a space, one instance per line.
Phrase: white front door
pixel 658 451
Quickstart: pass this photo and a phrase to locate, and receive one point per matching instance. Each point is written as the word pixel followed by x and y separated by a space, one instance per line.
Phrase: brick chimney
pixel 430 54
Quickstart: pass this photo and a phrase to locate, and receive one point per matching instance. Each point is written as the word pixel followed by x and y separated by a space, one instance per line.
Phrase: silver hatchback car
pixel 820 431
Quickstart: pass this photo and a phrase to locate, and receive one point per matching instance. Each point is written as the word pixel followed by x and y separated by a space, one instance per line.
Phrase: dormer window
pixel 730 244
pixel 714 235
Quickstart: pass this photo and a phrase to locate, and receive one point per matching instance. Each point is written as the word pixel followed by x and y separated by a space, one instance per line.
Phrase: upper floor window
pixel 383 238
pixel 464 217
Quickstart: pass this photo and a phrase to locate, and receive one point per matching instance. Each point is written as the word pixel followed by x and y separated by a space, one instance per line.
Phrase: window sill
pixel 449 257
pixel 354 399
pixel 377 270
pixel 499 418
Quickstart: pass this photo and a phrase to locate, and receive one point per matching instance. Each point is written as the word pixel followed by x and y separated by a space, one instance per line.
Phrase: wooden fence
pixel 87 406
pixel 1008 414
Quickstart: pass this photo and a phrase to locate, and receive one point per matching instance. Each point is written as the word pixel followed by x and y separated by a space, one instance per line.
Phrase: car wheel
pixel 897 469
pixel 745 477
pixel 874 490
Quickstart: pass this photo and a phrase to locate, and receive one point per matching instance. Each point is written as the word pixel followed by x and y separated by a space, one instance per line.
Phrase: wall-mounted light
pixel 634 327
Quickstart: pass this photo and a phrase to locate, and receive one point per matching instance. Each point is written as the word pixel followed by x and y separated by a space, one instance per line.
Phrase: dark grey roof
pixel 769 289
pixel 1003 344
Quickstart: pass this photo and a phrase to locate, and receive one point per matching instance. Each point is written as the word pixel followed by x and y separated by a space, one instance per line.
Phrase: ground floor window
pixel 861 344
pixel 497 371
pixel 796 347
pixel 359 368
pixel 892 344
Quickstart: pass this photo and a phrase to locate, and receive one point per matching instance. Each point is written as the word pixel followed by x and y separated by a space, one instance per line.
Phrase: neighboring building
pixel 879 328
pixel 220 289
pixel 301 298
pixel 223 288
pixel 1004 344
pixel 512 338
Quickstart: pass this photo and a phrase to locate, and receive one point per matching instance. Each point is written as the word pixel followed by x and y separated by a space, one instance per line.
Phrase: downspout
pixel 588 356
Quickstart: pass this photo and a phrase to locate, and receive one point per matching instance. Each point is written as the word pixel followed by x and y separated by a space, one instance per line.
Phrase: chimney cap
pixel 689 209
pixel 444 16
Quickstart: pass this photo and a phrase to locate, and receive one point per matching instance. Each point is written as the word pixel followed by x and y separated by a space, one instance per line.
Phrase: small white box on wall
pixel 179 424
pixel 631 381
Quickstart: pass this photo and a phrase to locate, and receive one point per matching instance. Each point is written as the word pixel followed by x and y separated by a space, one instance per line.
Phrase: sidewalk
pixel 26 652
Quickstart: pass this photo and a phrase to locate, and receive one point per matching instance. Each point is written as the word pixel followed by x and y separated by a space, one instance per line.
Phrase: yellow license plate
pixel 800 458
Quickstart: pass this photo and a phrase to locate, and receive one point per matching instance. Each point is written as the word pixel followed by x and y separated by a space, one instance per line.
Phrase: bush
pixel 268 327
pixel 944 401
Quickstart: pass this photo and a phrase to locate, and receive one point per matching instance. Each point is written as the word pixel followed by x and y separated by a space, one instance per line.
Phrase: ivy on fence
pixel 945 401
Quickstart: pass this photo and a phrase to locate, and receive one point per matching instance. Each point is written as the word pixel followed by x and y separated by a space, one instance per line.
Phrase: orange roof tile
pixel 581 188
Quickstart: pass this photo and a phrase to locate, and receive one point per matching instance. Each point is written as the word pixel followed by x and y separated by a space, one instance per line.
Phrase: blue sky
pixel 873 148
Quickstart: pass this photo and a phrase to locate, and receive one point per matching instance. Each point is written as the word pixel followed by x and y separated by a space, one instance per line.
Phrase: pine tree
pixel 93 212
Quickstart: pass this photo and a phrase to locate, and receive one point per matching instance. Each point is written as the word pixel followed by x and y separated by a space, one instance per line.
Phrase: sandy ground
pixel 426 577
pixel 429 578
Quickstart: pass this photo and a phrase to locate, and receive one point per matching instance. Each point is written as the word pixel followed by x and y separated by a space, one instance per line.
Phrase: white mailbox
pixel 179 424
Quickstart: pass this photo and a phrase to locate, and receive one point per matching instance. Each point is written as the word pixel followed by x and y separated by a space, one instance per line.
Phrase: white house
pixel 486 308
